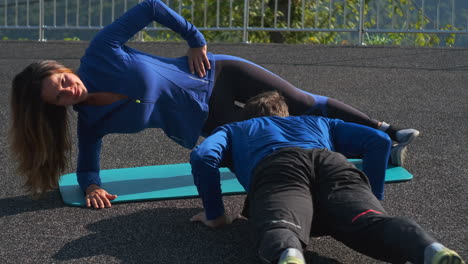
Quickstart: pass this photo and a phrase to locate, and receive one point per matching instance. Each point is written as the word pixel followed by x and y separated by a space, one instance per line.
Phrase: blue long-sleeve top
pixel 248 142
pixel 244 144
pixel 162 93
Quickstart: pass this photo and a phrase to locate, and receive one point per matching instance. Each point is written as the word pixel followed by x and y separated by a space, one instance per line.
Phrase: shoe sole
pixel 398 155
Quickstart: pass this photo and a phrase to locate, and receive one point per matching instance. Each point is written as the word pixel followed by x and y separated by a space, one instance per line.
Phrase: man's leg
pixel 355 217
pixel 280 204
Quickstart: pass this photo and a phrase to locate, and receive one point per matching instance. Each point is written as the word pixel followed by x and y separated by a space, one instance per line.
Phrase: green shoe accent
pixel 291 260
pixel 447 256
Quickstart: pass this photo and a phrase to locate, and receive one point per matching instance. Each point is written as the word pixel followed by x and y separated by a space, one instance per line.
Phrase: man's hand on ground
pixel 215 223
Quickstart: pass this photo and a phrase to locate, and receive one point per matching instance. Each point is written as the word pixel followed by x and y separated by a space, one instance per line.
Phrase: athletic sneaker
pixel 291 256
pixel 403 137
pixel 447 256
pixel 398 154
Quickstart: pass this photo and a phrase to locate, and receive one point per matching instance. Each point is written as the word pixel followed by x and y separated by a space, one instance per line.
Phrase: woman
pixel 121 90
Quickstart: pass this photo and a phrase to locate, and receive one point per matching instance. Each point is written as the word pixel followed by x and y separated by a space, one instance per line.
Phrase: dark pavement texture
pixel 423 88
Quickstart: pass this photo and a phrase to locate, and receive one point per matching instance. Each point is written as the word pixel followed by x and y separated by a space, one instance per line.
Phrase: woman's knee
pixel 382 140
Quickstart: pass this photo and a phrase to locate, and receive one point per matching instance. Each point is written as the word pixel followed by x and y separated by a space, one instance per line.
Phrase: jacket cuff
pixel 197 40
pixel 87 178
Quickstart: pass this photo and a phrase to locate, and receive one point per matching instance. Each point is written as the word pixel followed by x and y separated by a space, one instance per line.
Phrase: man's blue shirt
pixel 248 142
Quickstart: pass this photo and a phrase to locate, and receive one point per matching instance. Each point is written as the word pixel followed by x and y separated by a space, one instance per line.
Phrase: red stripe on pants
pixel 363 213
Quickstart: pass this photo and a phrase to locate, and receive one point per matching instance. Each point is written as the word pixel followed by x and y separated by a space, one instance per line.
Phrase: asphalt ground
pixel 423 88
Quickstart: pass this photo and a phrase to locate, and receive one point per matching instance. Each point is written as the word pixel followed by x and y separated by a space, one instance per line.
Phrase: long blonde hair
pixel 39 133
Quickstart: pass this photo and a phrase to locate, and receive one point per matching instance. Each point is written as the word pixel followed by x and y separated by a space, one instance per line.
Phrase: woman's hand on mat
pixel 215 223
pixel 98 197
pixel 198 61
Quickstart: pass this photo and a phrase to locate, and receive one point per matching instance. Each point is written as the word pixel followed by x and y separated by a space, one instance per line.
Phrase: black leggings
pixel 238 80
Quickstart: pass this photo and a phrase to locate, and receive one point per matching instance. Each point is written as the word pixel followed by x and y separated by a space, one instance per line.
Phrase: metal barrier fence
pixel 355 16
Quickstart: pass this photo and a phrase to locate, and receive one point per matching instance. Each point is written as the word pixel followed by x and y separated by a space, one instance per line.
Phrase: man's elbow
pixel 195 158
pixel 201 157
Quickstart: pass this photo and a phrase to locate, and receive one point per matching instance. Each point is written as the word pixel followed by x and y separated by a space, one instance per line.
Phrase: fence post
pixel 245 36
pixel 361 22
pixel 41 20
pixel 139 36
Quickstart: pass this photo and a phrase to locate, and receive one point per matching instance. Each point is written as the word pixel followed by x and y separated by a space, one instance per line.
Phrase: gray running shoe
pixel 405 136
pixel 398 154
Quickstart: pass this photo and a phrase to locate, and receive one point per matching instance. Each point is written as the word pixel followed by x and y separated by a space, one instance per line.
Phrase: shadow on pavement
pixel 166 236
pixel 23 204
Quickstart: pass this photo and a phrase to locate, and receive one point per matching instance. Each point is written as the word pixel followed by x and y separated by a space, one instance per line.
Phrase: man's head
pixel 266 104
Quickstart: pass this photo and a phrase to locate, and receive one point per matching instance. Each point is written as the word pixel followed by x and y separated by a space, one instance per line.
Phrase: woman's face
pixel 63 89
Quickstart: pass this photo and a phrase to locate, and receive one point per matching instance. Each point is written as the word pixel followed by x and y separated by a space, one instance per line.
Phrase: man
pixel 297 187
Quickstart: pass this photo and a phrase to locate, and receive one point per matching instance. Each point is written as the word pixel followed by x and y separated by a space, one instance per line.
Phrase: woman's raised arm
pixel 137 18
pixel 140 16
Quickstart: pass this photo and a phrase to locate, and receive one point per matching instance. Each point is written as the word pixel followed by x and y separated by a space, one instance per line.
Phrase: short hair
pixel 270 103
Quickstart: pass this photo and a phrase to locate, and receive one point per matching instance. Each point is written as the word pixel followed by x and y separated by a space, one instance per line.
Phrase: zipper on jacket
pixel 143 101
pixel 197 79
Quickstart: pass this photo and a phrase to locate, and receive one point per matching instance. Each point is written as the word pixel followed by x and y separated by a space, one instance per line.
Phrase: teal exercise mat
pixel 158 182
pixel 392 175
pixel 162 182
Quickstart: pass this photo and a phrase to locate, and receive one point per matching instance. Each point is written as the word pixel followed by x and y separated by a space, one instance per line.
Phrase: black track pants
pixel 296 193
